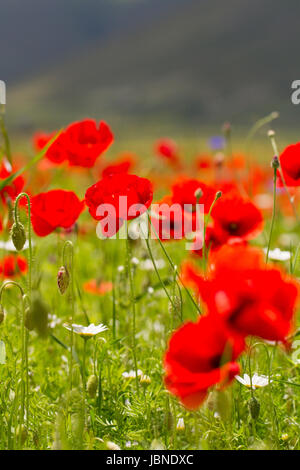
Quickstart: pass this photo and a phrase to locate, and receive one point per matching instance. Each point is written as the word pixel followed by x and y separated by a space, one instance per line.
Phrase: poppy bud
pixel 63 279
pixel 92 385
pixel 1 314
pixel 275 163
pixel 198 193
pixel 254 408
pixel 18 235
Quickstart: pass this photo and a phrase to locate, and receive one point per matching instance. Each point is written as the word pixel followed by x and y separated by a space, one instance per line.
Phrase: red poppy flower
pixel 169 220
pixel 201 355
pixel 97 288
pixel 13 266
pixel 54 209
pixel 213 240
pixel 183 193
pixel 13 189
pixel 40 139
pixel 123 165
pixel 203 161
pixel 167 149
pixel 253 299
pixel 290 164
pixel 237 217
pixel 119 197
pixel 81 143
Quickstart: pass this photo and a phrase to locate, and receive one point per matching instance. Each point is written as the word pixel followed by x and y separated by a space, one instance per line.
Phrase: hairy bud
pixel 254 408
pixel 18 235
pixel 63 279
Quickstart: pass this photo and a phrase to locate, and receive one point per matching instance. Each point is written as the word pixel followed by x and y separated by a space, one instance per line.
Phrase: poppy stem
pixel 274 209
pixel 24 353
pixel 217 196
pixel 69 245
pixel 172 265
pixel 17 220
pixel 271 135
pixel 132 299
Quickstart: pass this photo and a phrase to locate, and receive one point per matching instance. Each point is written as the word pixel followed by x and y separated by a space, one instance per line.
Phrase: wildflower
pixel 12 190
pixel 81 143
pixel 54 209
pixel 278 255
pixel 125 163
pixel 253 298
pixel 290 166
pixel 93 286
pixel 196 359
pixel 112 446
pixel 86 331
pixel 131 374
pixel 258 381
pixel 13 266
pixel 9 246
pixel 110 191
pixel 184 190
pixel 147 265
pixel 145 380
pixel 180 425
pixel 63 279
pixel 167 149
pixel 236 217
pixel 284 437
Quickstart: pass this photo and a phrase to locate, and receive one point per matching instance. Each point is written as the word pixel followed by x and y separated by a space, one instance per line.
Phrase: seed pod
pixel 92 385
pixel 63 279
pixel 254 408
pixel 1 314
pixel 18 235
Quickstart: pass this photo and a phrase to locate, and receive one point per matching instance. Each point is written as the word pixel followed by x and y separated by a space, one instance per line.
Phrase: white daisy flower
pixel 131 374
pixel 86 331
pixel 258 381
pixel 9 246
pixel 147 264
pixel 278 255
pixel 180 424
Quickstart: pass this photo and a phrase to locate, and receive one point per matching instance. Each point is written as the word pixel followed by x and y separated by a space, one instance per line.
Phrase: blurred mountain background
pixel 182 62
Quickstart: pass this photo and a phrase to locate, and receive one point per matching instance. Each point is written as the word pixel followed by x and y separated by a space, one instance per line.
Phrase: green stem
pixel 70 265
pixel 17 220
pixel 273 214
pixel 132 299
pixel 172 265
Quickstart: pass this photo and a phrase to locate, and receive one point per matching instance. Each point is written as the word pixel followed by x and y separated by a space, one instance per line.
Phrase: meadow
pixel 140 343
